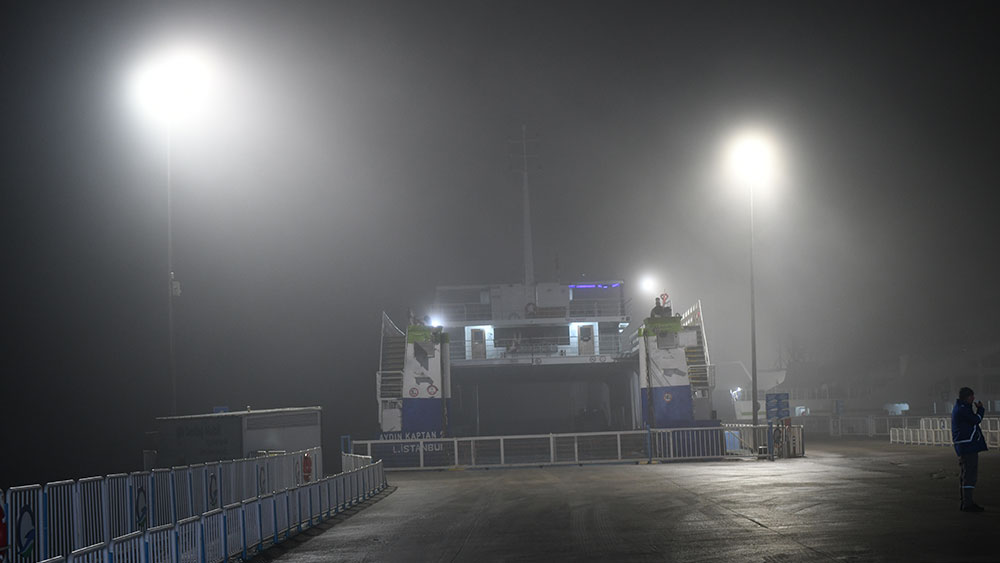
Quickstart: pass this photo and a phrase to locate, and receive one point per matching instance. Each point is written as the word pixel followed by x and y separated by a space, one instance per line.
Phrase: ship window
pixel 589 293
pixel 463 295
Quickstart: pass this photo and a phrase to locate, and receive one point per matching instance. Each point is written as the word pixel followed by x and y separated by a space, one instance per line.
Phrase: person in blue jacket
pixel 969 441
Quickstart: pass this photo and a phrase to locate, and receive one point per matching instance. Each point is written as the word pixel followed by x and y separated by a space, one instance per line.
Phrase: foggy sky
pixel 361 158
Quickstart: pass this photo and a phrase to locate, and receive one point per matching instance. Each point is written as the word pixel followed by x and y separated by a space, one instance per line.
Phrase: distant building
pixel 185 440
pixel 921 383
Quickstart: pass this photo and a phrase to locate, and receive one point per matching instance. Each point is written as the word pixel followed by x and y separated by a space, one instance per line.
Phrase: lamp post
pixel 751 161
pixel 170 88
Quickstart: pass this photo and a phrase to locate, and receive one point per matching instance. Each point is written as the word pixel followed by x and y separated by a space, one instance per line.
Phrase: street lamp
pixel 648 284
pixel 170 89
pixel 752 162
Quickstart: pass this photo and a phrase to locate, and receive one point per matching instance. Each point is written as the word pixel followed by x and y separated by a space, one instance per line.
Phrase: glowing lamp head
pixel 647 284
pixel 436 321
pixel 752 159
pixel 174 85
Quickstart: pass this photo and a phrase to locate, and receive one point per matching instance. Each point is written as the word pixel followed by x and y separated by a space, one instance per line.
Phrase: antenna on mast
pixel 529 260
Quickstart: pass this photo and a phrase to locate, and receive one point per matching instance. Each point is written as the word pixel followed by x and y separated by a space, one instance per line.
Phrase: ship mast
pixel 529 261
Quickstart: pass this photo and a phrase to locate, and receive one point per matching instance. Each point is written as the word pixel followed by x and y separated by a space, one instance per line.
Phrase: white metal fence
pixel 776 440
pixel 936 431
pixel 349 462
pixel 661 444
pixel 205 513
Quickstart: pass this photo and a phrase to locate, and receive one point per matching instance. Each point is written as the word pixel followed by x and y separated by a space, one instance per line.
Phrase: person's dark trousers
pixel 968 472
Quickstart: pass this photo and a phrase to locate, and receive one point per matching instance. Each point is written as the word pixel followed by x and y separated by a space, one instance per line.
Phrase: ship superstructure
pixel 530 358
pixel 546 358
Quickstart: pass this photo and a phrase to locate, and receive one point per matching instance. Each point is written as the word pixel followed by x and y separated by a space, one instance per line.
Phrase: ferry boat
pixel 539 358
pixel 516 359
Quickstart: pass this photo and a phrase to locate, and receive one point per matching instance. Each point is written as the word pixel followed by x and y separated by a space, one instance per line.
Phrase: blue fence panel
pixel 213 487
pixel 118 503
pixel 294 510
pixel 261 479
pixel 248 469
pixel 281 515
pixel 140 483
pixel 182 493
pixel 268 520
pixel 162 505
pixel 97 553
pixel 324 498
pixel 91 512
pixel 198 489
pixel 24 524
pixel 232 518
pixel 3 523
pixel 252 527
pixel 227 483
pixel 160 544
pixel 58 516
pixel 129 518
pixel 212 534
pixel 129 548
pixel 187 540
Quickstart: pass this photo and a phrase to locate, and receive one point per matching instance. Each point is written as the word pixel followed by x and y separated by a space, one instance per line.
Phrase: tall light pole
pixel 751 161
pixel 170 89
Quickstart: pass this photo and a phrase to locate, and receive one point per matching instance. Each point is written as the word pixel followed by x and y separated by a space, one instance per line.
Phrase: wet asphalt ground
pixel 845 501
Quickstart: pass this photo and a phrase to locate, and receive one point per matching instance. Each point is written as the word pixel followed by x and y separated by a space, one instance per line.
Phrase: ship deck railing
pixel 463 313
pixel 545 347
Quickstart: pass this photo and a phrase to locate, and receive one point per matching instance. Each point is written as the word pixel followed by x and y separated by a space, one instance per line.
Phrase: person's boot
pixel 968 505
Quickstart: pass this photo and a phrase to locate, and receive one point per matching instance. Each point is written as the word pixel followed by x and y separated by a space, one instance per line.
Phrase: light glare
pixel 647 284
pixel 752 159
pixel 175 85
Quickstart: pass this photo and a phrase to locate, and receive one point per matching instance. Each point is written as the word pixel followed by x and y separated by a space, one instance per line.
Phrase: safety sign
pixel 777 406
pixel 213 491
pixel 141 508
pixel 25 532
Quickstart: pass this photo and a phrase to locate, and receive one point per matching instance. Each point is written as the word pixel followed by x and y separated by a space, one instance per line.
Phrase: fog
pixel 359 156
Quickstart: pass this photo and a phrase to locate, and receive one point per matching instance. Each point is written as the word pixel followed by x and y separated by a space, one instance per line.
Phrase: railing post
pixel 619 435
pixel 190 480
pixel 501 452
pixel 576 449
pixel 225 534
pixel 456 452
pixel 421 445
pixel 552 448
pixel 243 528
pixel 44 546
pixel 472 451
pixel 105 510
pixel 288 514
pixel 201 529
pixel 173 497
pixel 274 515
pixel 77 518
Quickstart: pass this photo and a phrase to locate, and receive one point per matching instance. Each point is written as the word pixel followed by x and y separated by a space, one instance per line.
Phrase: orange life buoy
pixel 307 468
